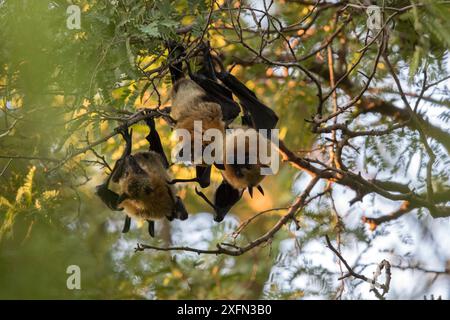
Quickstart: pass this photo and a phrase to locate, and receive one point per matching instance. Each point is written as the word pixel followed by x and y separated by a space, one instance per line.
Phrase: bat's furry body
pixel 241 176
pixel 189 104
pixel 203 98
pixel 148 195
pixel 145 189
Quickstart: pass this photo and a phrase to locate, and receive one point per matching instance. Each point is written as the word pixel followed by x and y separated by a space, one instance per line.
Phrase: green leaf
pixel 151 30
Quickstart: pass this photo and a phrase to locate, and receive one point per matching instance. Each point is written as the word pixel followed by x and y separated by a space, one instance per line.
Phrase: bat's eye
pixel 146 156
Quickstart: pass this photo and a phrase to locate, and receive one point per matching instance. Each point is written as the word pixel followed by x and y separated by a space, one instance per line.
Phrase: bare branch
pixel 374 284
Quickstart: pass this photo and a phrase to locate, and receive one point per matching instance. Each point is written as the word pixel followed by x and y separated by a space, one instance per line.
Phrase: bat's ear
pixel 224 199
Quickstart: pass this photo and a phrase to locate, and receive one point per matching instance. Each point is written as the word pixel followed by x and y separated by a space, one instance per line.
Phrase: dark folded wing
pixel 261 115
pixel 215 92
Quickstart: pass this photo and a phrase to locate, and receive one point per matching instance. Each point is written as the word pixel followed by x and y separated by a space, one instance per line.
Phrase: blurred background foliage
pixel 61 88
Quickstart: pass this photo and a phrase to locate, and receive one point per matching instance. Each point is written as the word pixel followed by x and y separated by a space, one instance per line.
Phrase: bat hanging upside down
pixel 247 175
pixel 199 99
pixel 145 192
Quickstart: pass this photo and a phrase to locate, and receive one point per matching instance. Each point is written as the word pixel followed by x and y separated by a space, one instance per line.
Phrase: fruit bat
pixel 199 98
pixel 238 177
pixel 145 191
